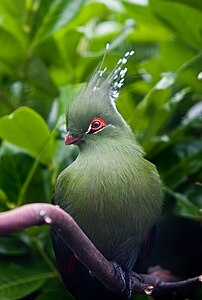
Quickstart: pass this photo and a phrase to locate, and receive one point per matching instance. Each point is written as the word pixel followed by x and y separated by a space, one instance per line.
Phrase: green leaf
pixel 26 129
pixel 38 76
pixel 18 288
pixel 22 275
pixel 12 246
pixel 56 14
pixel 9 54
pixel 186 208
pixel 3 196
pixel 12 15
pixel 193 3
pixel 54 289
pixel 180 19
pixel 186 160
pixel 19 181
pixel 149 29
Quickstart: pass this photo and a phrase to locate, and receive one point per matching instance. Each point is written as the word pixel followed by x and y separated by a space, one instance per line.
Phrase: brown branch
pixel 43 213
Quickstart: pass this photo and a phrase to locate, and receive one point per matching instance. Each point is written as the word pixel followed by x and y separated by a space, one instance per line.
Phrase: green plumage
pixel 112 192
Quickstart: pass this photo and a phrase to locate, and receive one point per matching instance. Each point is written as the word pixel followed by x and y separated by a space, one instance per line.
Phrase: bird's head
pixel 92 114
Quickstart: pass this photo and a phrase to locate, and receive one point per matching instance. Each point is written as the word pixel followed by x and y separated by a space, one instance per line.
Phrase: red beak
pixel 69 139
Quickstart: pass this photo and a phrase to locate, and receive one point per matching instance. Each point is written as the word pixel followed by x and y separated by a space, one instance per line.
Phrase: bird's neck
pixel 110 145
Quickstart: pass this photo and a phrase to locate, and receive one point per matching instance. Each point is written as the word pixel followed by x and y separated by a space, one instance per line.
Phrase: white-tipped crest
pixel 101 72
pixel 117 76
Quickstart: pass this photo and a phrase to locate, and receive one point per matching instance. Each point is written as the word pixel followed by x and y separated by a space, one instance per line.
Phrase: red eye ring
pixel 96 124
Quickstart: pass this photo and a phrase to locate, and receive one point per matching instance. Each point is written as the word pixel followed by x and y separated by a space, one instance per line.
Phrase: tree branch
pixel 43 213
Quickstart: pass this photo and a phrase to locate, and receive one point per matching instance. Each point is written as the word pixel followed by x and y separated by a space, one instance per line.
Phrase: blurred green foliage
pixel 50 48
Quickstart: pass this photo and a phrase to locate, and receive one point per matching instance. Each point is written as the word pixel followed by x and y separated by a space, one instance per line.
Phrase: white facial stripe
pixel 109 125
pixel 89 128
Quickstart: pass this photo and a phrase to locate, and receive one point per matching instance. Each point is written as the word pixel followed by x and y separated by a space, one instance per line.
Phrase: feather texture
pixel 109 190
pixel 112 192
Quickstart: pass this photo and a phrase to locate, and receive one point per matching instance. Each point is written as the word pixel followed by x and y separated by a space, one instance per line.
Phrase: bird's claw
pixel 121 273
pixel 129 285
pixel 125 279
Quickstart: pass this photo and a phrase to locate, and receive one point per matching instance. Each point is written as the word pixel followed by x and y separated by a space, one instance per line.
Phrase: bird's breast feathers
pixel 112 196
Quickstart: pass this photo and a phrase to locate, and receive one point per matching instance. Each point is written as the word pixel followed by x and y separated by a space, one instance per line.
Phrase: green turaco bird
pixel 111 190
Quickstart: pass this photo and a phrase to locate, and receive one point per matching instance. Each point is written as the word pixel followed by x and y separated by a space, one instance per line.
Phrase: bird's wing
pixel 148 244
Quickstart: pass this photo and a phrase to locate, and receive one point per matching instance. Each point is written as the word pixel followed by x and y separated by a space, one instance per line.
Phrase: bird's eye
pixel 96 124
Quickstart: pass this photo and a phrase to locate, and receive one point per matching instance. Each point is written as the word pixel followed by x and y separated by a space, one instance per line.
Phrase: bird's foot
pixel 121 273
pixel 125 278
pixel 128 285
